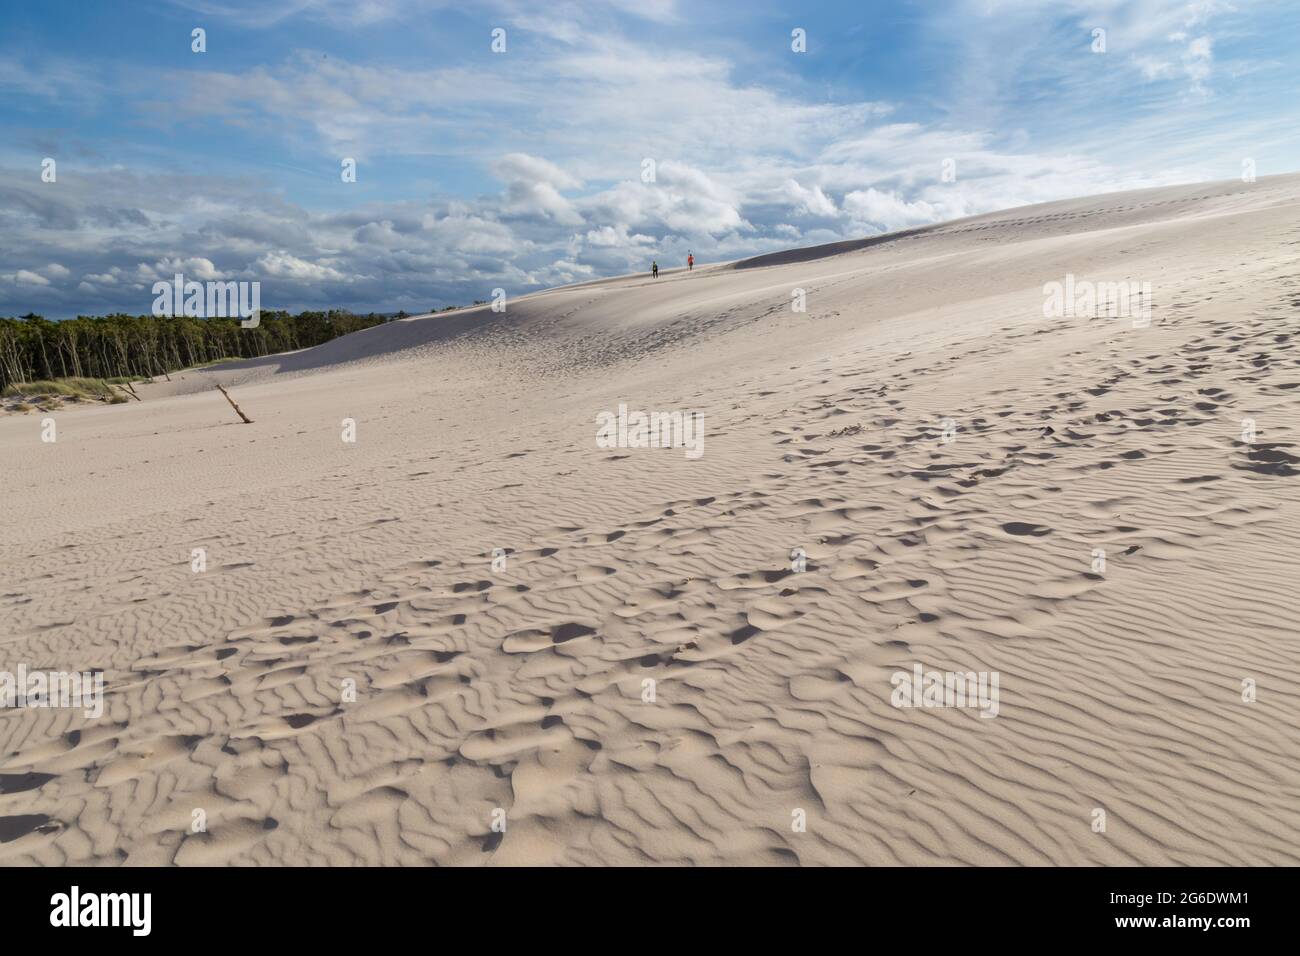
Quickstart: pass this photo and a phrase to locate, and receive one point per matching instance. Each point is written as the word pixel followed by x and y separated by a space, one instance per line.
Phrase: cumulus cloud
pixel 812 201
pixel 284 265
pixel 514 167
pixel 885 211
pixel 558 137
pixel 194 267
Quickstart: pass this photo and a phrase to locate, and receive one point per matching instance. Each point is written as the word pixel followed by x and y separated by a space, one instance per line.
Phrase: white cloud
pixel 616 237
pixel 194 267
pixel 812 201
pixel 745 162
pixel 1197 61
pixel 887 211
pixel 283 265
pixel 520 166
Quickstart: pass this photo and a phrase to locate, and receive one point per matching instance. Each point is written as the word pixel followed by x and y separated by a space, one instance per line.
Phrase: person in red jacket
pixel 690 261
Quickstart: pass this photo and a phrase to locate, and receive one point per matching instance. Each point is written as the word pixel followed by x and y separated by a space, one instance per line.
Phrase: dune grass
pixel 76 389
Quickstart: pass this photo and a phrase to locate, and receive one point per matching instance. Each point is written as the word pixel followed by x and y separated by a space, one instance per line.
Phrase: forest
pixel 33 348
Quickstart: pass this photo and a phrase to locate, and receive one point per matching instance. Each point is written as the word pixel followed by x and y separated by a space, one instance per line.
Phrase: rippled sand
pixel 647 679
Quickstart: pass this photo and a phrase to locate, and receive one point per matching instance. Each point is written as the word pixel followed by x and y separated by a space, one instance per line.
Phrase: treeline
pixel 33 348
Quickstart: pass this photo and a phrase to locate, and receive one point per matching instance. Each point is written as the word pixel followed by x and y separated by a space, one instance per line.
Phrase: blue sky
pixel 523 169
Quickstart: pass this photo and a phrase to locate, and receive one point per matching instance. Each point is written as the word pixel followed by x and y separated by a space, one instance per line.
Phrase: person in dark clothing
pixel 654 269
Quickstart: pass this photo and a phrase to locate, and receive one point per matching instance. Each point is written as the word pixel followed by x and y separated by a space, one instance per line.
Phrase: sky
pixel 606 134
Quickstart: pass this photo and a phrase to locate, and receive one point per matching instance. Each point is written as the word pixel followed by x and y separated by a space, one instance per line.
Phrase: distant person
pixel 654 269
pixel 690 261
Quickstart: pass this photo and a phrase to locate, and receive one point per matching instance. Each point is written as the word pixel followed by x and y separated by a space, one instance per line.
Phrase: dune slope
pixel 1102 512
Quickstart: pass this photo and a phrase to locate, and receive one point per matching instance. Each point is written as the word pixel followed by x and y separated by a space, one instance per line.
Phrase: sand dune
pixel 949 461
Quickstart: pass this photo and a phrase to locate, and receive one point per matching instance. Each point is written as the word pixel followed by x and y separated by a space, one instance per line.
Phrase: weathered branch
pixel 247 420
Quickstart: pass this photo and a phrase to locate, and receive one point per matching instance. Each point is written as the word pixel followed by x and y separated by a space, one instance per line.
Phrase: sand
pixel 352 679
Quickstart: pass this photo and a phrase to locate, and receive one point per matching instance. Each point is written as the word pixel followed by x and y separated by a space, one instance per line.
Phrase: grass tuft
pixel 77 389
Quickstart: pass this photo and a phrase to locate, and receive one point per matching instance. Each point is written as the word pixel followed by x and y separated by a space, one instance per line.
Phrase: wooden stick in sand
pixel 247 420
